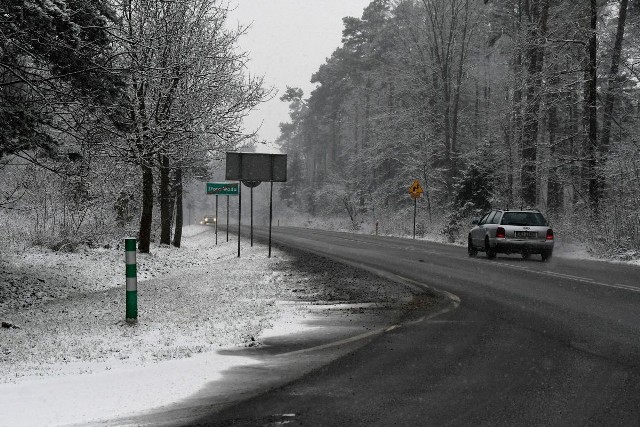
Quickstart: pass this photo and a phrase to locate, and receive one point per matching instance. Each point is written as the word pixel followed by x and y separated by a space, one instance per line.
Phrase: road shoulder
pixel 337 310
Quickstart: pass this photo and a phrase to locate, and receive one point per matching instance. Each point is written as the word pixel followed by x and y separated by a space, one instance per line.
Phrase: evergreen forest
pixel 489 103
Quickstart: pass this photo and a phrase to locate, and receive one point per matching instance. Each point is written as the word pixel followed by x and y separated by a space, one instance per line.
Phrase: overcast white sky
pixel 287 42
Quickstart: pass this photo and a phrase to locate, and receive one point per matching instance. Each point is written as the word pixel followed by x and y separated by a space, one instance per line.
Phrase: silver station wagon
pixel 511 231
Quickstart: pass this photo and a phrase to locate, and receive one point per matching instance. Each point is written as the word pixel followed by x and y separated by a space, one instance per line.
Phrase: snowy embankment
pixel 68 356
pixel 65 311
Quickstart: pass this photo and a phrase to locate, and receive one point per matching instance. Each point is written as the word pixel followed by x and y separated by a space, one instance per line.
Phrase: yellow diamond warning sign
pixel 416 190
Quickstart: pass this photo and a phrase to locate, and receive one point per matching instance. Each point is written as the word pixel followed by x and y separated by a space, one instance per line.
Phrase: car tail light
pixel 500 233
pixel 549 234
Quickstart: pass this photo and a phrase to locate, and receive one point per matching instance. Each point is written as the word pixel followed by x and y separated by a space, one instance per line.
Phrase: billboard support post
pixel 251 169
pixel 216 220
pixel 239 214
pixel 251 185
pixel 223 189
pixel 270 215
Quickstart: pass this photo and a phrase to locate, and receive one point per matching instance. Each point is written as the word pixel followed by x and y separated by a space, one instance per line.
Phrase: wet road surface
pixel 530 343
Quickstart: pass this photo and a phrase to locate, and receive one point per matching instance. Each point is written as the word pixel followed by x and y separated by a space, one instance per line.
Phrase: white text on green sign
pixel 222 188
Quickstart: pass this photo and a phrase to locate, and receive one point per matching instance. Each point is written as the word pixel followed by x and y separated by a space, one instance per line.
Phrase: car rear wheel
pixel 491 253
pixel 546 255
pixel 471 249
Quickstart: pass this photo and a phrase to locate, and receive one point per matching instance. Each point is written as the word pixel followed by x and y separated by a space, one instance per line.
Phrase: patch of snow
pixel 73 358
pixel 572 251
pixel 61 400
pixel 291 320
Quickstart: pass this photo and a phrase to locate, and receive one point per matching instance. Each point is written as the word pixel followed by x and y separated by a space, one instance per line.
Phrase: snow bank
pixel 71 357
pixel 68 356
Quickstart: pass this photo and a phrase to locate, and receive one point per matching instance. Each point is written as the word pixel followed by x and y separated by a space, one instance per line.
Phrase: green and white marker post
pixel 132 280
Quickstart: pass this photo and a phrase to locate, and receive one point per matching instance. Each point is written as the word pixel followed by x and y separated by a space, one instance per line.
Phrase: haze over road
pixel 530 343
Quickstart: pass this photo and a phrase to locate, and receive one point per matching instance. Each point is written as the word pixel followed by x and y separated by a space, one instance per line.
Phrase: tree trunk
pixel 146 218
pixel 610 97
pixel 535 59
pixel 554 188
pixel 591 116
pixel 457 89
pixel 476 113
pixel 513 134
pixel 165 201
pixel 366 137
pixel 448 46
pixel 177 235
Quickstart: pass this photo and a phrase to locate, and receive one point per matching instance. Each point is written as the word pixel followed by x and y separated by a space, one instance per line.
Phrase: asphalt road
pixel 530 343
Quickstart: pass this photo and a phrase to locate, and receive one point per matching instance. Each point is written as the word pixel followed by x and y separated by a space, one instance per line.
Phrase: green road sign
pixel 222 188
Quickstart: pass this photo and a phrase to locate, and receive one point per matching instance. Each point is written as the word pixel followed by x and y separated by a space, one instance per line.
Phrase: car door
pixel 488 226
pixel 477 234
pixel 491 226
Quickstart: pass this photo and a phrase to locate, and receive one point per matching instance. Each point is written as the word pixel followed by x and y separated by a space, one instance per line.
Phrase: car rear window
pixel 496 218
pixel 523 218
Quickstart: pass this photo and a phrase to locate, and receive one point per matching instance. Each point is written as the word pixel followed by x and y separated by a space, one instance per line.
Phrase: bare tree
pixel 449 28
pixel 590 104
pixel 537 12
pixel 187 93
pixel 613 87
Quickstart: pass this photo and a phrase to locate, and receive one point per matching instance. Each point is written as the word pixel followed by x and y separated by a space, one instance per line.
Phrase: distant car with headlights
pixel 511 231
pixel 208 219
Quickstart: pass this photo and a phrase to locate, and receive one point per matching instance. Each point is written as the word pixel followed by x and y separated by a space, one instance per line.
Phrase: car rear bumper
pixel 519 246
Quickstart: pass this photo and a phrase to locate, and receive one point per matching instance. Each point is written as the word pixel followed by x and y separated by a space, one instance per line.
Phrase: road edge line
pixel 410 283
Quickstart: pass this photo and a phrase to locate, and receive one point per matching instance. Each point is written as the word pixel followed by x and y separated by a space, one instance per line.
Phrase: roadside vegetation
pixel 114 114
pixel 108 108
pixel 488 104
pixel 63 313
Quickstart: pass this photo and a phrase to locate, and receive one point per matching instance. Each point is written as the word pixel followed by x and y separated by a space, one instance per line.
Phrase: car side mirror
pixel 475 222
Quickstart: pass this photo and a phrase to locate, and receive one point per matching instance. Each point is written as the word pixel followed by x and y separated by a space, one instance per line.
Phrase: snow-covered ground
pixel 67 356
